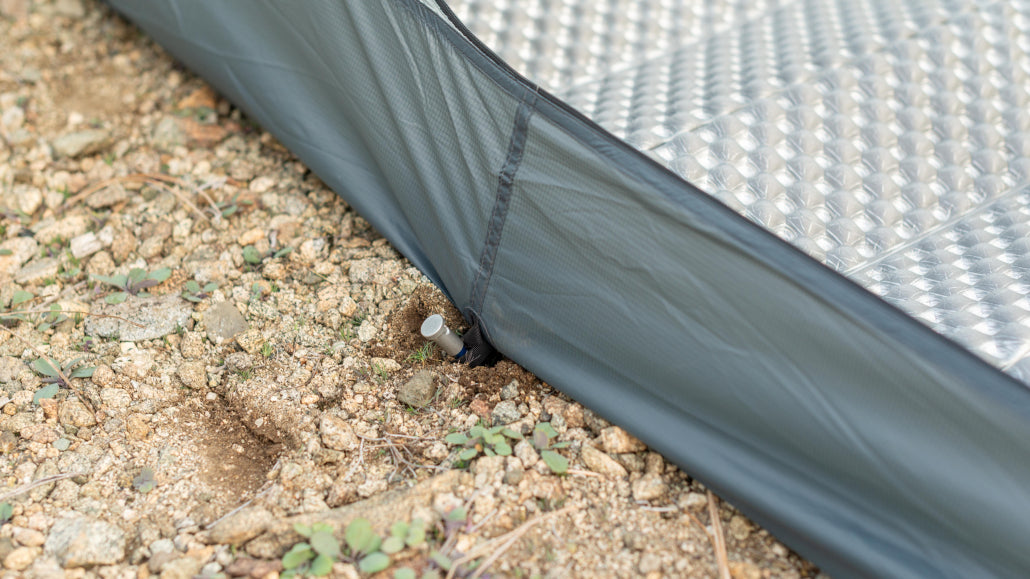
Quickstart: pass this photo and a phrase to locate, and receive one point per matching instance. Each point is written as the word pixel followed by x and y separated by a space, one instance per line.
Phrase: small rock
pixel 505 412
pixel 13 118
pixel 510 390
pixel 75 413
pixel 648 487
pixel 242 526
pixel 192 345
pixel 247 567
pixel 137 427
pixel 261 184
pixel 418 391
pixel 337 434
pixel 19 558
pixel 223 322
pixel 85 245
pixel 81 143
pixel 28 199
pixel 617 441
pixel 480 408
pixel 739 528
pixel 745 570
pixel 601 463
pixel 38 270
pixel 192 374
pixel 62 444
pixel 649 563
pixel 70 8
pixel 692 501
pixel 366 331
pixel 181 568
pixel 28 537
pixel 103 375
pixel 168 134
pixel 526 453
pixel 84 541
pixel 158 316
pixel 115 397
pixel 21 248
pixel 49 406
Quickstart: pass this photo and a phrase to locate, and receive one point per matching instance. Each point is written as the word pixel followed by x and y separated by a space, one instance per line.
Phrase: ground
pixel 263 367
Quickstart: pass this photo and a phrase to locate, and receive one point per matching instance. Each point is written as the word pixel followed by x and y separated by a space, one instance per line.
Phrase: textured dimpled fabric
pixel 889 140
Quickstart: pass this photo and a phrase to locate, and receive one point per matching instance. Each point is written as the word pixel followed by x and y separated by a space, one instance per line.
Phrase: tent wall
pixel 861 438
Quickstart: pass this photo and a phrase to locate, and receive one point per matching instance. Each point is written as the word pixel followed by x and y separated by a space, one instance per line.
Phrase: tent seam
pixel 502 201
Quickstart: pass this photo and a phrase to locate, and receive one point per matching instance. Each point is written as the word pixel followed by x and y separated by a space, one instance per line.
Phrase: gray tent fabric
pixel 857 434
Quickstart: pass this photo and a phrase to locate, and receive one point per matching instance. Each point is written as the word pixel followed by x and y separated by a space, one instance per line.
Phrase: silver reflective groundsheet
pixel 694 217
pixel 889 140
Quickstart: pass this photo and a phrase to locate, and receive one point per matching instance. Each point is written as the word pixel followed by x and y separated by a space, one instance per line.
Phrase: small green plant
pixel 267 350
pixel 423 354
pixel 6 512
pixel 244 374
pixel 314 556
pixel 254 257
pixel 134 283
pixel 361 546
pixel 489 441
pixel 51 318
pixel 227 208
pixel 11 317
pixel 543 434
pixel 194 293
pixel 71 369
pixel 144 481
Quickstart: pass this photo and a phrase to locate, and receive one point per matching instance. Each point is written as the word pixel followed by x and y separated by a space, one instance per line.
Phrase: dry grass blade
pixel 718 538
pixel 505 541
pixel 36 483
pixel 154 180
pixel 56 366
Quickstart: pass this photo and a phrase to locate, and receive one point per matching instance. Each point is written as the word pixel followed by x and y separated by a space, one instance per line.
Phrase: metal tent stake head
pixel 436 330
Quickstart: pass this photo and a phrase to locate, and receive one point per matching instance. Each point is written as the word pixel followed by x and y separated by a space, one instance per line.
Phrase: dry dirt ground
pixel 292 383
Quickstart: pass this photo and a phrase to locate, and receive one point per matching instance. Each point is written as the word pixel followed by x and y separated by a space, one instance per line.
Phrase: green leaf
pixel 392 545
pixel 359 536
pixel 374 563
pixel 324 527
pixel 82 372
pixel 20 296
pixel 512 434
pixel 160 274
pixel 491 438
pixel 48 391
pixel 6 252
pixel 404 573
pixel 457 514
pixel 502 448
pixel 456 438
pixel 489 452
pixel 322 565
pixel 561 445
pixel 441 560
pixel 399 529
pixel 137 274
pixel 210 287
pixel 300 553
pixel 556 462
pixel 193 286
pixel 283 251
pixel 416 534
pixel 6 512
pixel 116 298
pixel 302 529
pixel 477 432
pixel 547 429
pixel 324 543
pixel 251 255
pixel 44 367
pixel 468 454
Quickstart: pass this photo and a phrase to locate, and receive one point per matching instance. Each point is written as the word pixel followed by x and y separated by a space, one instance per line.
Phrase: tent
pixel 783 242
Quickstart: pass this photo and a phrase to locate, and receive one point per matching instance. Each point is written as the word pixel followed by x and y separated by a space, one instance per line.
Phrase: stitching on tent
pixel 505 187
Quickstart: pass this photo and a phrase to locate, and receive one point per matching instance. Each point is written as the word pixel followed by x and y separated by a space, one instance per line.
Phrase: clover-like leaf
pixel 302 529
pixel 300 553
pixel 324 543
pixel 6 512
pixel 161 274
pixel 502 448
pixel 322 565
pixel 20 297
pixel 456 438
pixel 556 462
pixel 512 434
pixel 374 563
pixel 468 454
pixel 48 391
pixel 82 372
pixel 44 367
pixel 116 297
pixel 360 537
pixel 392 545
pixel 416 533
pixel 251 255
pixel 404 573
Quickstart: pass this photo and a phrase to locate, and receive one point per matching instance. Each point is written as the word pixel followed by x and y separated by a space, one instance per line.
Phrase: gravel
pixel 297 390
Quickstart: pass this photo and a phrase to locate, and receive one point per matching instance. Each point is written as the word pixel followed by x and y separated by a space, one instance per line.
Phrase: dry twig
pixel 36 483
pixel 718 538
pixel 155 180
pixel 16 312
pixel 505 541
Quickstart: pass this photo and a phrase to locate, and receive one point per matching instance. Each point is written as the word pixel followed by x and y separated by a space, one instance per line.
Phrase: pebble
pixel 192 375
pixel 337 434
pixel 366 331
pixel 419 391
pixel 81 143
pixel 241 527
pixel 251 341
pixel 617 441
pixel 158 316
pixel 480 408
pixel 649 487
pixel 19 558
pixel 505 412
pixel 75 413
pixel 28 537
pixel 62 444
pixel 28 199
pixel 115 397
pixel 739 528
pixel 510 390
pixel 21 248
pixel 601 463
pixel 137 427
pixel 38 270
pixel 223 322
pixel 85 541
pixel 526 453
